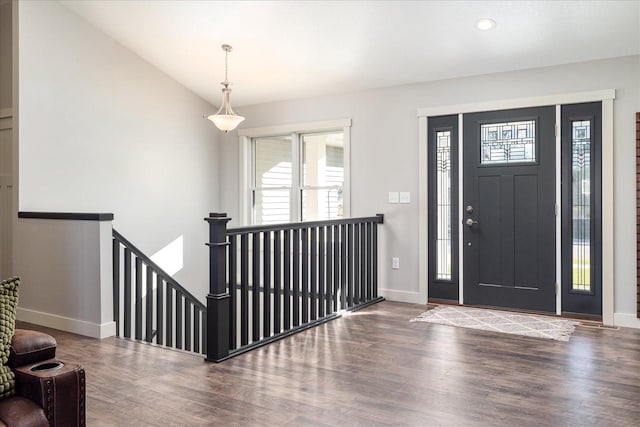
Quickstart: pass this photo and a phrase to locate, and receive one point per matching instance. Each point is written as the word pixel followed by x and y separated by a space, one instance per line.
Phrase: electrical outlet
pixel 395 263
pixel 393 197
pixel 405 197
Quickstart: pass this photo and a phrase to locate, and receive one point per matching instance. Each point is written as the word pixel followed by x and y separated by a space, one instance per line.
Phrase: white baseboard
pixel 400 296
pixel 626 320
pixel 81 327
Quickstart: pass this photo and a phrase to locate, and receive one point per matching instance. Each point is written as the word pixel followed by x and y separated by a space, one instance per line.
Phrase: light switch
pixel 395 263
pixel 405 197
pixel 393 197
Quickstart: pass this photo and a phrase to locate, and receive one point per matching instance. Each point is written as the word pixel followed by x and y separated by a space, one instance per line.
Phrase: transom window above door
pixel 511 142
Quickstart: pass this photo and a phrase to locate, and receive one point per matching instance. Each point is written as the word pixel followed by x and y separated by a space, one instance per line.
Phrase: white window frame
pixel 245 166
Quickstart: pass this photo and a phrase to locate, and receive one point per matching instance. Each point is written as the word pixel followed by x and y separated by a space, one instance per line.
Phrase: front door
pixel 508 208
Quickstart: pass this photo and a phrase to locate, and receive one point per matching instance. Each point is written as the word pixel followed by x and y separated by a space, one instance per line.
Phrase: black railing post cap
pixel 217 217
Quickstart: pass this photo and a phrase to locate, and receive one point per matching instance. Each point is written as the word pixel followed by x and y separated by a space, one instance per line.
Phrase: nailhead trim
pixel 81 374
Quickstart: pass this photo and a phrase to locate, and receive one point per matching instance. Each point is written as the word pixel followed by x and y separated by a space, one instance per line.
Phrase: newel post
pixel 218 297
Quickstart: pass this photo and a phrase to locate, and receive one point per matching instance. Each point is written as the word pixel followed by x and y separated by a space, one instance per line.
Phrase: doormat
pixel 528 325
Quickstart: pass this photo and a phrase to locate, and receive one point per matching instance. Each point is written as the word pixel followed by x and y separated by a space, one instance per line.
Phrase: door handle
pixel 469 222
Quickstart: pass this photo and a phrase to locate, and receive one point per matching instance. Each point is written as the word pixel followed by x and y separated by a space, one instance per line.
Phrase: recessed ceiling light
pixel 486 24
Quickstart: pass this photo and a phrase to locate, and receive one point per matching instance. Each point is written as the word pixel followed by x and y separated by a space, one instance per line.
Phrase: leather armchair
pixel 49 392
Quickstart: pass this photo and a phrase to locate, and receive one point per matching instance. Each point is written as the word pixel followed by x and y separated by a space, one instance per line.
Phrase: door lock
pixel 469 209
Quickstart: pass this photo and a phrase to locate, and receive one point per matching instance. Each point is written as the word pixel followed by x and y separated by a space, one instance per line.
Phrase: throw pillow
pixel 8 305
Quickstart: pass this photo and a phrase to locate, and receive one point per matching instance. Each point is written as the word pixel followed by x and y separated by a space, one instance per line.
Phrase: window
pixel 322 176
pixel 512 142
pixel 298 176
pixel 443 205
pixel 272 180
pixel 581 205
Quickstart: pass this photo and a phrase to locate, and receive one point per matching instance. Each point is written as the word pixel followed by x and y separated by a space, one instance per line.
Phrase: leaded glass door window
pixel 581 208
pixel 508 142
pixel 443 207
pixel 581 205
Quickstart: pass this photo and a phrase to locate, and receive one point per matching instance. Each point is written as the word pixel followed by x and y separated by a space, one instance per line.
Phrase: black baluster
pixel 305 276
pixel 178 319
pixel 355 265
pixel 196 329
pixel 159 309
pixel 314 274
pixel 336 267
pixel 233 277
pixel 116 285
pixel 329 276
pixel 296 277
pixel 169 318
pixel 349 285
pixel 138 325
pixel 277 282
pixel 321 271
pixel 266 284
pixel 255 268
pixel 244 289
pixel 127 293
pixel 204 333
pixel 363 262
pixel 369 263
pixel 344 270
pixel 149 307
pixel 287 280
pixel 374 261
pixel 187 324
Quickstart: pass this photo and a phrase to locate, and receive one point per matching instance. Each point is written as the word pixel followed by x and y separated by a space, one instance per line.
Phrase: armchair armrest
pixel 29 347
pixel 58 388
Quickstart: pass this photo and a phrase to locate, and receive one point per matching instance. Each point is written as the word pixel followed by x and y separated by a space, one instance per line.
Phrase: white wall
pixel 101 130
pixel 384 137
pixel 74 275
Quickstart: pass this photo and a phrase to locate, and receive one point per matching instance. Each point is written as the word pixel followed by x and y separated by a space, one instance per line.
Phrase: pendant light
pixel 225 119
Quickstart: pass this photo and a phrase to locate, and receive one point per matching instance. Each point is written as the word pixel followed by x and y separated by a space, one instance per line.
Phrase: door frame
pixel 606 97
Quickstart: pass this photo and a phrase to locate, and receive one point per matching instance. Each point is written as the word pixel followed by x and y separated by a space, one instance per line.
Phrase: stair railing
pixel 271 281
pixel 149 305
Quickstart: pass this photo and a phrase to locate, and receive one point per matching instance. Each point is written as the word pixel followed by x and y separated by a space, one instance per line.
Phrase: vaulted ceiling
pixel 293 49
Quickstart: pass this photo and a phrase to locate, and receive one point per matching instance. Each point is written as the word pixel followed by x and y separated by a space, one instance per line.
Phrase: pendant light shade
pixel 226 122
pixel 225 119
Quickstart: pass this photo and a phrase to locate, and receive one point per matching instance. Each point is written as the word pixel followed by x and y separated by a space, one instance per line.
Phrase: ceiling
pixel 285 49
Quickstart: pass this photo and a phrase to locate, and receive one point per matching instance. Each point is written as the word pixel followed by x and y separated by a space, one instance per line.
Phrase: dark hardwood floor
pixel 372 367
